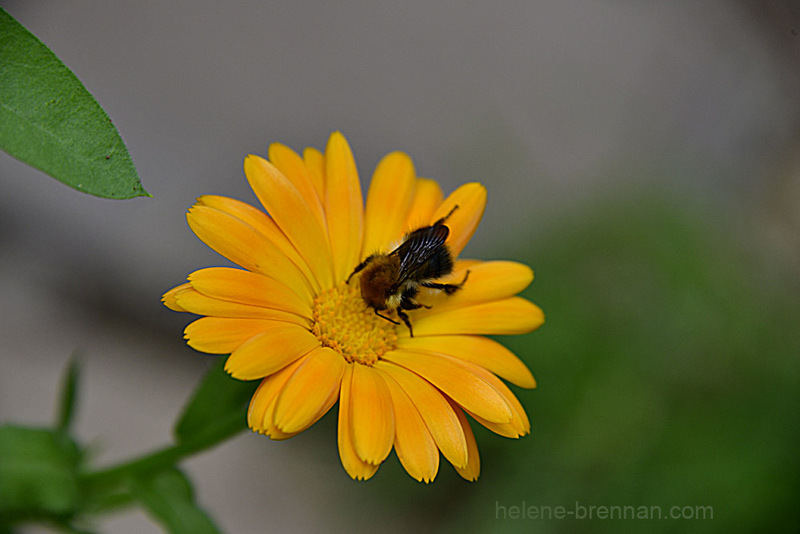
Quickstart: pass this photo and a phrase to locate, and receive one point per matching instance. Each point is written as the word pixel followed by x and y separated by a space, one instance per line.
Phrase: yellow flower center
pixel 343 322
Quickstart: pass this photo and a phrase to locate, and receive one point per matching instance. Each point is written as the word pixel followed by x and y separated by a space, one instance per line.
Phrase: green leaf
pixel 218 402
pixel 38 475
pixel 50 121
pixel 69 387
pixel 168 496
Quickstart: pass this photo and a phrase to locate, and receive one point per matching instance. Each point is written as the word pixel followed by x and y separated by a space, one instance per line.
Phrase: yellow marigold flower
pixel 289 319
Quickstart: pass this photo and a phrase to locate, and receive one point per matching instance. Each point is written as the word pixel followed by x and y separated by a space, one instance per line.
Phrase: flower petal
pixel 344 207
pixel 294 168
pixel 514 315
pixel 388 202
pixel 471 201
pixel 462 264
pixel 507 430
pixel 193 301
pixel 372 415
pixel 291 211
pixel 222 335
pixel 458 381
pixel 169 298
pixel 519 425
pixel 262 405
pixel 250 288
pixel 270 351
pixel 244 211
pixel 427 197
pixel 277 434
pixel 472 470
pixel 479 350
pixel 413 443
pixel 245 246
pixel 520 422
pixel 437 413
pixel 264 224
pixel 355 466
pixel 309 391
pixel 315 163
pixel 488 280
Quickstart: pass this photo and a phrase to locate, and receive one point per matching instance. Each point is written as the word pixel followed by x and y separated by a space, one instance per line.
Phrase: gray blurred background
pixel 571 113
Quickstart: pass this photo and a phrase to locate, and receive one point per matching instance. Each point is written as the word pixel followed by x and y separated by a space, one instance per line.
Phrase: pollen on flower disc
pixel 344 323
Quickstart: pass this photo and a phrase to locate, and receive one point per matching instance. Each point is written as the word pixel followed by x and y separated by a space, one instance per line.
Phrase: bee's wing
pixel 418 248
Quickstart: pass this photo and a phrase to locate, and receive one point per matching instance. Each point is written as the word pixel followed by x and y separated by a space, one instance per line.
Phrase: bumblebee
pixel 391 281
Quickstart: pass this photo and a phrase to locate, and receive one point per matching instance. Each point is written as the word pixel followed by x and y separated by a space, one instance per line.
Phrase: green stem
pixel 167 456
pixel 111 501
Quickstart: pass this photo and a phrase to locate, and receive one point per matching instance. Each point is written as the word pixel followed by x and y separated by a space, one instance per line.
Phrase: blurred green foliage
pixel 668 375
pixel 46 477
pixel 169 497
pixel 38 476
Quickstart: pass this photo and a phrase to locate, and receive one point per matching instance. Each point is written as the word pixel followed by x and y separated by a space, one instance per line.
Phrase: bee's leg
pixel 408 304
pixel 464 281
pixel 404 317
pixel 443 219
pixel 447 288
pixel 387 318
pixel 360 267
pixel 407 301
